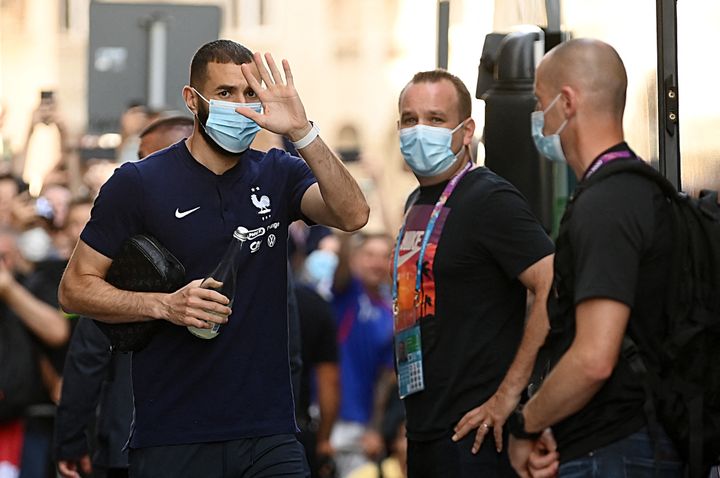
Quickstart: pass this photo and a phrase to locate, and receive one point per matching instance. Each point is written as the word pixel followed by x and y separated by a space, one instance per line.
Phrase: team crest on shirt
pixel 262 203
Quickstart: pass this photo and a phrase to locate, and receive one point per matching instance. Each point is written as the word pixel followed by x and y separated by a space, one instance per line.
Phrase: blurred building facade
pixel 351 58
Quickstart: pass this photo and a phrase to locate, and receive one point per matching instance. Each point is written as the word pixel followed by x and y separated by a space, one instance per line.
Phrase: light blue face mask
pixel 320 267
pixel 427 149
pixel 231 131
pixel 549 146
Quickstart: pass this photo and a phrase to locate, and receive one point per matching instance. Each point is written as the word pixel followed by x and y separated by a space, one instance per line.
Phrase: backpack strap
pixel 635 166
pixel 641 168
pixel 631 353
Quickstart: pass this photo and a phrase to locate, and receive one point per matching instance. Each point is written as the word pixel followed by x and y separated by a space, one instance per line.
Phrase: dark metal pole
pixel 667 82
pixel 443 27
pixel 552 9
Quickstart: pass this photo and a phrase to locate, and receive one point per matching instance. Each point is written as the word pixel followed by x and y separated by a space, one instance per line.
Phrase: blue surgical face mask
pixel 319 268
pixel 427 149
pixel 231 131
pixel 549 146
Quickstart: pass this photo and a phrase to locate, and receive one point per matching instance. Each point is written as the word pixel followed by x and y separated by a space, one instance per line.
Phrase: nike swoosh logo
pixel 411 245
pixel 406 256
pixel 181 215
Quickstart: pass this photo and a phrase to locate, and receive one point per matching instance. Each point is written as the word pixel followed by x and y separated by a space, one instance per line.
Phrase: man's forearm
pixel 92 296
pixel 599 327
pixel 341 193
pixel 536 330
pixel 42 319
pixel 566 390
pixel 383 388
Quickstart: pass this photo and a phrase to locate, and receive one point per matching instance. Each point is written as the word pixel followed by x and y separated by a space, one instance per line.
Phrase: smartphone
pixel 47 106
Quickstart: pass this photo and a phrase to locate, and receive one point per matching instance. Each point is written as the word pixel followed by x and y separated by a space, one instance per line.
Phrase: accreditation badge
pixel 408 358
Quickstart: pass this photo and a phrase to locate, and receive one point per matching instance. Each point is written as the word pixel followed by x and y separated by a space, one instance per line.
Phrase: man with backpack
pixel 612 264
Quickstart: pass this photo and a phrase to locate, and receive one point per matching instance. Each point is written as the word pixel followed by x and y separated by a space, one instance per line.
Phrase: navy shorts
pixel 270 456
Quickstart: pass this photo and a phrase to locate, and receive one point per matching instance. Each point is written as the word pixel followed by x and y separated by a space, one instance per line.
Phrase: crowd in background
pixel 347 406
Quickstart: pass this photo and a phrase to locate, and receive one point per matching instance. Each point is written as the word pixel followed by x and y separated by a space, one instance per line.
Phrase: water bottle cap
pixel 241 233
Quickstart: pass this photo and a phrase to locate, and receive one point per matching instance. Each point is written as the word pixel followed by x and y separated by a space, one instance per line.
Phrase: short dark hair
pixel 217 51
pixel 167 123
pixel 437 75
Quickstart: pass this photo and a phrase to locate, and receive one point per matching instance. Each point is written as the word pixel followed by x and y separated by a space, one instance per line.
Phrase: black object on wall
pixel 509 101
pixel 142 51
pixel 667 81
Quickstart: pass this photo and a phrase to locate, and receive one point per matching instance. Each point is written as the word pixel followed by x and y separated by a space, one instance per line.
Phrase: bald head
pixel 591 67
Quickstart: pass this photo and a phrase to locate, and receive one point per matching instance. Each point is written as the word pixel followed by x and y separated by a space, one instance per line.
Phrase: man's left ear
pixel 468 131
pixel 568 101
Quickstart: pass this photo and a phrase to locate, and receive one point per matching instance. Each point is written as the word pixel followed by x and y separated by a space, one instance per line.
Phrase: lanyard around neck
pixel 604 159
pixel 428 232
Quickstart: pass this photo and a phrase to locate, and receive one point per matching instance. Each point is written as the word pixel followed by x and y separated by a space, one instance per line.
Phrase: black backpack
pixel 684 395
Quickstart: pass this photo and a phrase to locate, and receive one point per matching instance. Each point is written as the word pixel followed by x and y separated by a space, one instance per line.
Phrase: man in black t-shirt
pixel 320 371
pixel 479 249
pixel 611 265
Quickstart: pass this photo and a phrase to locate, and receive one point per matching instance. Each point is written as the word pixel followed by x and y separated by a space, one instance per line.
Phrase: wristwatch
pixel 516 426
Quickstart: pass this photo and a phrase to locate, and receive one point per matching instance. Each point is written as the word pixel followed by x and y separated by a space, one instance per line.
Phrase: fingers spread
pixel 274 69
pixel 264 74
pixel 288 73
pixel 250 78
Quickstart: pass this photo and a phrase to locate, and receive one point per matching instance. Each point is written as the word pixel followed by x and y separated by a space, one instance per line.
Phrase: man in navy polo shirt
pixel 221 407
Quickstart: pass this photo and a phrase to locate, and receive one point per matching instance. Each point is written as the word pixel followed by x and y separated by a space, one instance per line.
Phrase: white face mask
pixel 35 245
pixel 427 149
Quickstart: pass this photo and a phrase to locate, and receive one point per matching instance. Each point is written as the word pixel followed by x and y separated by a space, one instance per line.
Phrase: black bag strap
pixel 633 165
pixel 631 353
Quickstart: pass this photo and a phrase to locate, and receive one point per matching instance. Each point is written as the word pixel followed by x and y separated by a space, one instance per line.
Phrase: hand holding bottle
pixel 212 328
pixel 196 306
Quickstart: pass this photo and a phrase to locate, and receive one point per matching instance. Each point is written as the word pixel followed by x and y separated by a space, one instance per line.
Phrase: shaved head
pixel 591 67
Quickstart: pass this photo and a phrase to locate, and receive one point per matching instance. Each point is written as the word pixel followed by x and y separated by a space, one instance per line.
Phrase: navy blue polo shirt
pixel 190 390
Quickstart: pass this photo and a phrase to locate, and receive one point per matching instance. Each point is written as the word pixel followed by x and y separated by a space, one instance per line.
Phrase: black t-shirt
pixel 474 305
pixel 318 338
pixel 620 236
